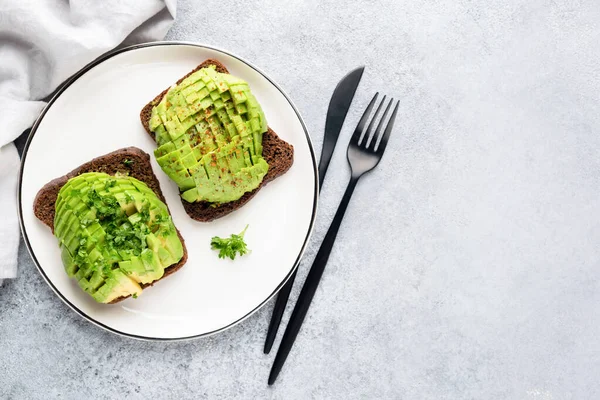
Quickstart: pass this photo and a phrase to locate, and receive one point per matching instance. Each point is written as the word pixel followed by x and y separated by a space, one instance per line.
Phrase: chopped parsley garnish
pixel 231 246
pixel 109 183
pixel 145 213
pixel 127 162
pixel 106 206
pixel 121 234
pixel 134 296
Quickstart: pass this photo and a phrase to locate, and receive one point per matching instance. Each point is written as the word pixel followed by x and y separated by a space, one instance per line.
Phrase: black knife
pixel 336 114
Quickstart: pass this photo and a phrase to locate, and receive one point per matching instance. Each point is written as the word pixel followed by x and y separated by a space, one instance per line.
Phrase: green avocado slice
pixel 114 234
pixel 209 131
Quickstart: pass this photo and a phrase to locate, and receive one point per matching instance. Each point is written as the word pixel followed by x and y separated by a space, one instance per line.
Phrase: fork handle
pixel 311 284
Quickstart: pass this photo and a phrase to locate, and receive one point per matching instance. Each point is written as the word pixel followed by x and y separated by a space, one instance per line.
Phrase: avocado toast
pixel 114 229
pixel 214 142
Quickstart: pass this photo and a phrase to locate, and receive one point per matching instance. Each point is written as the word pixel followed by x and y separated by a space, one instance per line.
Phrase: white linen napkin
pixel 42 43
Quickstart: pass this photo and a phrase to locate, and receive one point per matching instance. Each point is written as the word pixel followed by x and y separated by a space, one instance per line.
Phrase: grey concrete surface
pixel 468 263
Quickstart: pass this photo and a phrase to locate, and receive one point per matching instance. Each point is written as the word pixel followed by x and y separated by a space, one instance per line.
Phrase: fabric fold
pixel 42 44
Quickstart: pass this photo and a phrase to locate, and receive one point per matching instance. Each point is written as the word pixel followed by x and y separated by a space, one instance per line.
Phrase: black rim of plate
pixel 68 83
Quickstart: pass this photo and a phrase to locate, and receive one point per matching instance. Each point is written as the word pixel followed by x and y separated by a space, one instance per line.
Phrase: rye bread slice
pixel 276 152
pixel 138 166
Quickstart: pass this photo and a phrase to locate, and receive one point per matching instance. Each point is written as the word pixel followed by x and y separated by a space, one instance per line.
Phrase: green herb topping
pixel 229 247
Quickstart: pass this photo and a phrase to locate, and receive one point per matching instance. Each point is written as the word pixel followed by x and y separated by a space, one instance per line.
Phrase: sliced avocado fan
pixel 209 130
pixel 114 233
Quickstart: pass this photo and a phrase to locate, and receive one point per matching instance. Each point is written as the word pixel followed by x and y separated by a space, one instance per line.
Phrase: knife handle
pixel 278 310
pixel 311 284
pixel 284 293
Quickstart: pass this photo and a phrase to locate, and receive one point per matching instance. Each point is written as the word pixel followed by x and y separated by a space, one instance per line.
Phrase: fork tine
pixel 367 136
pixel 377 133
pixel 388 130
pixel 363 120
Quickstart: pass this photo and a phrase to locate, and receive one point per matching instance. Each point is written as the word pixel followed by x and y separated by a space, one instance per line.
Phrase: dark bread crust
pixel 276 152
pixel 111 163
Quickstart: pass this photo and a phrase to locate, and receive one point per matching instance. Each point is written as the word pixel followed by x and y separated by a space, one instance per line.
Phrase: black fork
pixel 364 153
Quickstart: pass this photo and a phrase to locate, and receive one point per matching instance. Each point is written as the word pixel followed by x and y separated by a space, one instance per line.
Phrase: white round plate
pixel 97 112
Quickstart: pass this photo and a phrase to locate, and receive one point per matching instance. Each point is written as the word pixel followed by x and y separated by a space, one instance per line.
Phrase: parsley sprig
pixel 231 246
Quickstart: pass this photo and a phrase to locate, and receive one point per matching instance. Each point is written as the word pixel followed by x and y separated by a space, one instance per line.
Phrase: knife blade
pixel 336 114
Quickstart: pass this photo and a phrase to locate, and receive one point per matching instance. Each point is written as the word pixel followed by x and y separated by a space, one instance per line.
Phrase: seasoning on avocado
pixel 209 129
pixel 231 246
